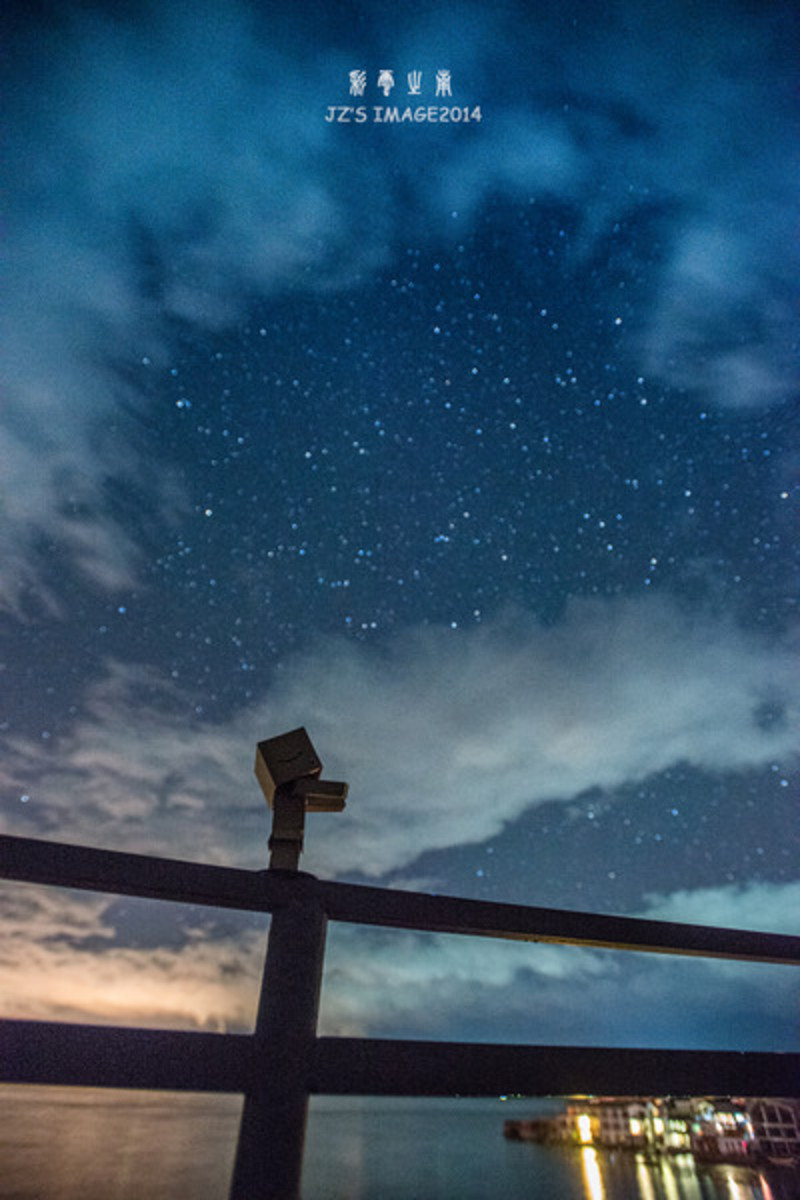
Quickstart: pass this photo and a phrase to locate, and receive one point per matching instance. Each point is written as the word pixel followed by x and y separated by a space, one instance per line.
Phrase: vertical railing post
pixel 270 1150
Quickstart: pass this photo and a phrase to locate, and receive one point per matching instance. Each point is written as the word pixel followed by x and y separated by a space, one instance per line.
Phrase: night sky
pixel 472 445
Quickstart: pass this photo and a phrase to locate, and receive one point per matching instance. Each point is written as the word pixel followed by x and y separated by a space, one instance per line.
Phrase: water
pixel 83 1144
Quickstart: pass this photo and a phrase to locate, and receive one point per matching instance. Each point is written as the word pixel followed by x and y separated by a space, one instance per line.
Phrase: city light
pixel 585 1128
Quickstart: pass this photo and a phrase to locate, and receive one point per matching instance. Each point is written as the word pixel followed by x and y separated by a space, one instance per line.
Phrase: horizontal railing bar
pixel 48 1052
pixel 477 918
pixel 377 1067
pixel 54 863
pixel 57 864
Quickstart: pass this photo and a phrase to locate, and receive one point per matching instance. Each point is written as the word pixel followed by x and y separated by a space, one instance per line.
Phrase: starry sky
pixel 472 445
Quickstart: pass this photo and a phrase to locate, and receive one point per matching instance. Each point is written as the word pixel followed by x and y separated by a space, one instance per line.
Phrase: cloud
pixel 708 333
pixel 410 985
pixel 70 957
pixel 447 738
pixel 55 915
pixel 766 907
pixel 167 168
pixel 64 958
pixel 424 985
pixel 620 115
pixel 444 736
pixel 163 173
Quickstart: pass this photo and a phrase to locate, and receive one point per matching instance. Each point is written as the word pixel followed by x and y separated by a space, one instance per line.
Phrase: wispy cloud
pixel 66 957
pixel 415 985
pixel 444 737
pixel 766 907
pixel 168 168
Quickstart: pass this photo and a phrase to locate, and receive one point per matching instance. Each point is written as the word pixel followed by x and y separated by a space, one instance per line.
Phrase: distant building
pixel 714 1129
pixel 723 1132
pixel 776 1128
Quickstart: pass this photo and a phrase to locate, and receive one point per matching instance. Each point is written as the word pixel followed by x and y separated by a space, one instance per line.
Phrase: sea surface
pixel 86 1144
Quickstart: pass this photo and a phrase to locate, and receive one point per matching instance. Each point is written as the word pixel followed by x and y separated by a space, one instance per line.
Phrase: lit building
pixel 776 1128
pixel 723 1132
pixel 714 1129
pixel 617 1122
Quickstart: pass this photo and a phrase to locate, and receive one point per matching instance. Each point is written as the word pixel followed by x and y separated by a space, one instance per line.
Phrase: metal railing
pixel 283 1061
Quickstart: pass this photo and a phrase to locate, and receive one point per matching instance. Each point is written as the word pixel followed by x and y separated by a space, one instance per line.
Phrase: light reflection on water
pixel 84 1144
pixel 71 1143
pixel 674 1178
pixel 644 1180
pixel 591 1174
